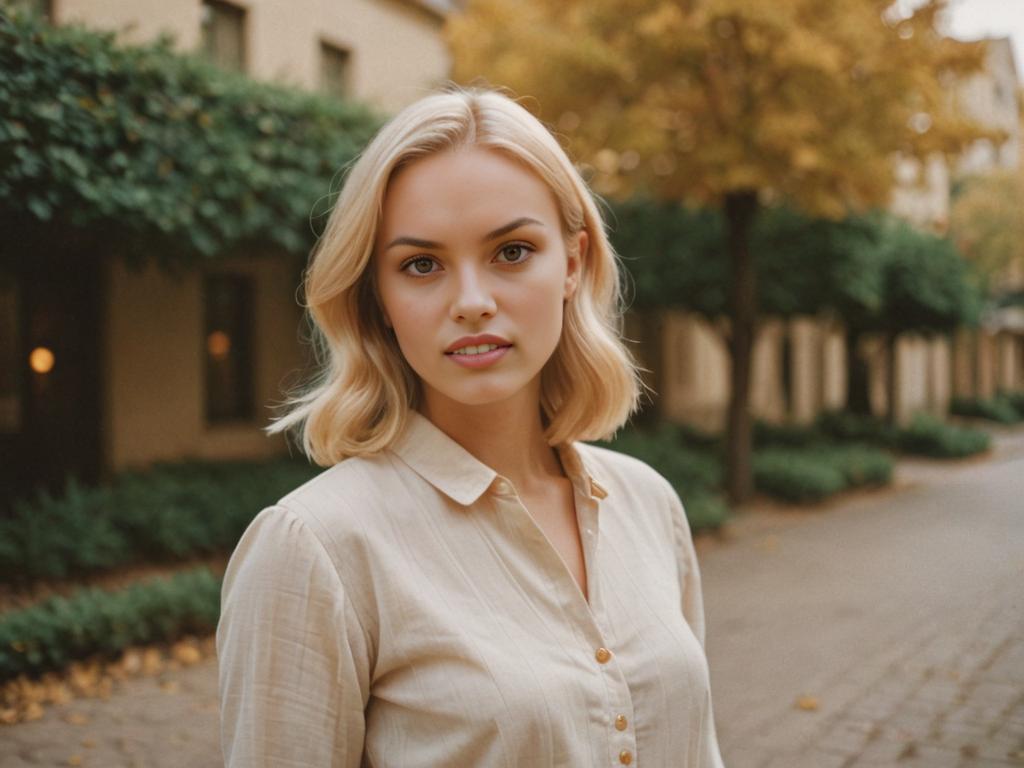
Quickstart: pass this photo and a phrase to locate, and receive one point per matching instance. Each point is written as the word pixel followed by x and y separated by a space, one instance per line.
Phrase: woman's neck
pixel 508 437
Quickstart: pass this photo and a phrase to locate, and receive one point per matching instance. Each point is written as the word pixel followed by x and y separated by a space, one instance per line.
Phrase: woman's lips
pixel 479 361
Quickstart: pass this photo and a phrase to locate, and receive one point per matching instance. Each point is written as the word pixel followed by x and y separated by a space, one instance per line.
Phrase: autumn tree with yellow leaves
pixel 734 104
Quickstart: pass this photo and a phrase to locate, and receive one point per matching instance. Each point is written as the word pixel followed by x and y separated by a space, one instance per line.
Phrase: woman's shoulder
pixel 353 486
pixel 614 469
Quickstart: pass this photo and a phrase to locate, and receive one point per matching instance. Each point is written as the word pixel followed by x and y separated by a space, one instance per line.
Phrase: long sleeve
pixel 293 668
pixel 693 612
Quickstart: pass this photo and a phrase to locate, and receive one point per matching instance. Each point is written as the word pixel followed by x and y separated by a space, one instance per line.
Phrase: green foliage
pixel 1015 399
pixel 925 436
pixel 928 284
pixel 785 435
pixel 873 272
pixel 928 436
pixel 694 473
pixel 1001 409
pixel 845 426
pixel 795 475
pixel 168 512
pixel 812 473
pixel 675 255
pixel 155 153
pixel 59 630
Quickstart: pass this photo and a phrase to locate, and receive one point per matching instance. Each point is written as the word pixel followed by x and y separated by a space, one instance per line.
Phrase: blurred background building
pixel 106 367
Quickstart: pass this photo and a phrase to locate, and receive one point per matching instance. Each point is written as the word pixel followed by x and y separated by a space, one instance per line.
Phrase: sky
pixel 973 19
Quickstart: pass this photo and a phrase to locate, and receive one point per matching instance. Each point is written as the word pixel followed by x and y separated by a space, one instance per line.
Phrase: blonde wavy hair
pixel 359 399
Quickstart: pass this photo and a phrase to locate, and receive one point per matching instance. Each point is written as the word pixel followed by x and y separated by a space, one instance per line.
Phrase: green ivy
pixel 157 154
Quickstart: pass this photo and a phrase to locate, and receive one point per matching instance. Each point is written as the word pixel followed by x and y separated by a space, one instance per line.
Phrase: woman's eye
pixel 516 253
pixel 420 265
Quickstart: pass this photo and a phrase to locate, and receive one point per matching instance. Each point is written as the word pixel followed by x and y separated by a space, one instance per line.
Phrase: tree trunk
pixel 858 382
pixel 740 209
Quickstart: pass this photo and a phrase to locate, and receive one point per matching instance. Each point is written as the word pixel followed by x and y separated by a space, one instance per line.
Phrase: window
pixel 335 66
pixel 10 360
pixel 227 342
pixel 224 34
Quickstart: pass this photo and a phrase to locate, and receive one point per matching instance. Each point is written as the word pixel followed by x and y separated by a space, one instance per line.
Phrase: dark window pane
pixel 224 34
pixel 227 348
pixel 334 70
pixel 11 364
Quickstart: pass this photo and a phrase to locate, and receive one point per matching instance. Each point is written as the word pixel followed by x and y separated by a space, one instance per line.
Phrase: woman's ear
pixel 577 253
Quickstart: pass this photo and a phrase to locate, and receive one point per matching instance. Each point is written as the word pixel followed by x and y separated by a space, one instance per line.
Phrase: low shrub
pixel 1016 401
pixel 861 465
pixel 785 435
pixel 927 436
pixel 796 475
pixel 705 510
pixel 999 409
pixel 168 512
pixel 851 427
pixel 59 630
pixel 693 472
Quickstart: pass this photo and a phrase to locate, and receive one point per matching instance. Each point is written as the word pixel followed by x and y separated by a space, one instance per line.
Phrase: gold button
pixel 620 722
pixel 625 757
pixel 602 655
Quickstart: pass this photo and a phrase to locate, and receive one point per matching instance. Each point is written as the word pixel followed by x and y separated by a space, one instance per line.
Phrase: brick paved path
pixel 900 613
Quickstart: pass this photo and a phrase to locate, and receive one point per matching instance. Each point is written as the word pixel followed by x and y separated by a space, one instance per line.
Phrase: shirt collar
pixel 457 473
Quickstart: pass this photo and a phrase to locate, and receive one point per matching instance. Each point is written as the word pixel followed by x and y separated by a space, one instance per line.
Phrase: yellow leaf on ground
pixel 76 718
pixel 75 760
pixel 32 712
pixel 169 686
pixel 807 703
pixel 8 716
pixel 186 653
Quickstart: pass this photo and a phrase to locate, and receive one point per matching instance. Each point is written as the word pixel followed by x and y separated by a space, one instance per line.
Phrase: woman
pixel 467 585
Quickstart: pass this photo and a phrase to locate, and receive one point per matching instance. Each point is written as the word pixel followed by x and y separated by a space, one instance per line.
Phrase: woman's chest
pixel 502 647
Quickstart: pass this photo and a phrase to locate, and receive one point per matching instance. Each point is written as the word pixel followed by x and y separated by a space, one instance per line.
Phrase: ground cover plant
pixel 169 512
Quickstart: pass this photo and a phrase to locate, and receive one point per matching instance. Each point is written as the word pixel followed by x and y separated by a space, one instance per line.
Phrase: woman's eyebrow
pixel 431 245
pixel 521 221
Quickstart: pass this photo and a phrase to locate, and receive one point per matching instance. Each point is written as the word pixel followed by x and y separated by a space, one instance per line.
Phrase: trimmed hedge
pixel 927 436
pixel 695 473
pixel 59 630
pixel 811 474
pixel 168 512
pixel 1001 409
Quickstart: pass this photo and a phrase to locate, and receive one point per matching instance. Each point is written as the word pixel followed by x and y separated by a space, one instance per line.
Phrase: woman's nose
pixel 473 297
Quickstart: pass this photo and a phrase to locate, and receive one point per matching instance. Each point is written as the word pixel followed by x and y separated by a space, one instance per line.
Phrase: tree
pixel 986 222
pixel 729 103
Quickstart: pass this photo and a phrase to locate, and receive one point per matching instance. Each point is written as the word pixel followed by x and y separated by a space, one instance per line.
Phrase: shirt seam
pixel 327 554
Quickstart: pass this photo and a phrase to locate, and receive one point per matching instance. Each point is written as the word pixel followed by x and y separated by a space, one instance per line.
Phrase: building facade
pixel 105 367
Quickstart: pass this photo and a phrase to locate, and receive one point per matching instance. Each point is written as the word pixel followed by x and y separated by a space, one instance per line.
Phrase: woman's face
pixel 471 243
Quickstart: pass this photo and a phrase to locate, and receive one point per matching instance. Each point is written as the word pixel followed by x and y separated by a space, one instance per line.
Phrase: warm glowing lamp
pixel 41 360
pixel 218 344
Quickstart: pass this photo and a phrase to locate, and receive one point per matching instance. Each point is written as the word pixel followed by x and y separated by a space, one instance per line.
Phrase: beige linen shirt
pixel 405 610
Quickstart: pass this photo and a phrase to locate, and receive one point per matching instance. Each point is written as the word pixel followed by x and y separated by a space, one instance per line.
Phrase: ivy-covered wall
pixel 154 154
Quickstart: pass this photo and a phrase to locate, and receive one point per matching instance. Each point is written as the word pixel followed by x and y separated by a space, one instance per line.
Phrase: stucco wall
pixel 397 52
pixel 154 382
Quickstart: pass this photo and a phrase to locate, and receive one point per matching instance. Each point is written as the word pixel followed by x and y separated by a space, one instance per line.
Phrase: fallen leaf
pixel 32 712
pixel 8 716
pixel 186 653
pixel 76 718
pixel 75 760
pixel 169 686
pixel 89 743
pixel 807 703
